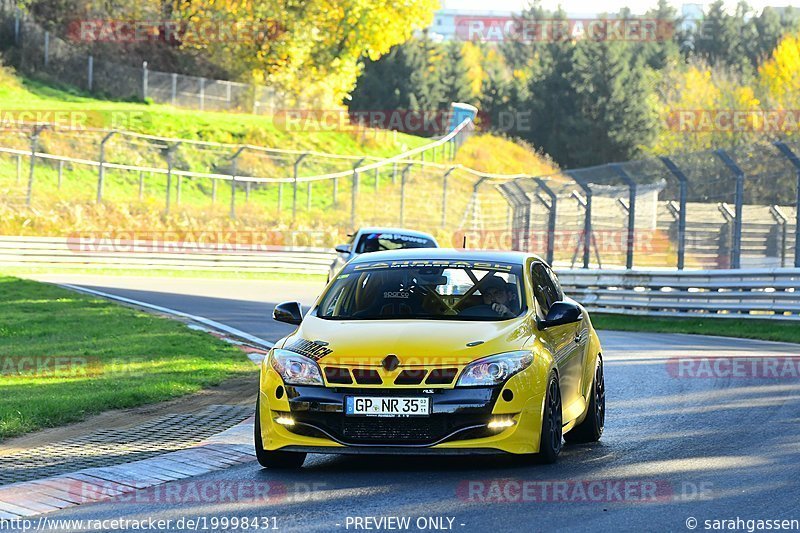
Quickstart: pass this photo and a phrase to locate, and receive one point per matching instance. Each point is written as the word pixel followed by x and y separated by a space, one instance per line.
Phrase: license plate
pixel 386 406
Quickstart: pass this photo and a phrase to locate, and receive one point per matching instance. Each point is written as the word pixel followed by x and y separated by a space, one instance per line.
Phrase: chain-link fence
pixel 711 209
pixel 45 168
pixel 35 51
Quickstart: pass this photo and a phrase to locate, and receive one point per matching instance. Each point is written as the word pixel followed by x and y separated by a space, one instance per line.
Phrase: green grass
pixel 19 93
pixel 113 357
pixel 770 330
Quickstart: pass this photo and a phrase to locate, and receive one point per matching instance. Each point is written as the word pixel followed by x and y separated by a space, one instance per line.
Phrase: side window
pixel 545 291
pixel 556 284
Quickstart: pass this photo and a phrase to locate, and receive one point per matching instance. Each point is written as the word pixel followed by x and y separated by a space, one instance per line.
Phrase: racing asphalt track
pixel 715 448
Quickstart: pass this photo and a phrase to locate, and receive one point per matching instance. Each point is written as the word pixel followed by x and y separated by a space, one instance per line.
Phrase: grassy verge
pixel 770 330
pixel 65 356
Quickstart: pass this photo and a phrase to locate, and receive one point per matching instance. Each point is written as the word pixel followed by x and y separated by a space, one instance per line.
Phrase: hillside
pixel 135 201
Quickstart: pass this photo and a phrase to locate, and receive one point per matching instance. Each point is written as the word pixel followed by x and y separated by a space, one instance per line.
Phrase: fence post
pixel 213 191
pixel 789 154
pixel 46 48
pixel 170 151
pixel 403 177
pixel 102 171
pixel 519 211
pixel 202 94
pixel 141 185
pixel 444 194
pixel 781 220
pixel 19 167
pixel 683 182
pixel 280 197
pixel 587 221
pixel 234 170
pixel 34 142
pixel 631 209
pixel 144 80
pixel 354 193
pixel 726 244
pixel 296 168
pixel 90 74
pixel 394 173
pixel 736 259
pixel 60 173
pixel 377 178
pixel 551 217
pixel 174 89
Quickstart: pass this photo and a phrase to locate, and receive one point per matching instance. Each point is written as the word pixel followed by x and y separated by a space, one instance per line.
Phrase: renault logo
pixel 390 362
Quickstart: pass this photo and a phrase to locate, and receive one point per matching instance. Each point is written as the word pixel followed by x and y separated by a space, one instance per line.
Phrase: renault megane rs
pixel 432 351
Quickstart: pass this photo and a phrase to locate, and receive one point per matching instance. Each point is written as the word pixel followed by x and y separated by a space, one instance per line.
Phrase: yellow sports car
pixel 432 351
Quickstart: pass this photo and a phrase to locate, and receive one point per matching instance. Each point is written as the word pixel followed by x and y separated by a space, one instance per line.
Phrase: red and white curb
pixel 230 447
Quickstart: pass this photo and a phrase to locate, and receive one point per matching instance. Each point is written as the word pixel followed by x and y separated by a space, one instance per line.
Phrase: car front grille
pixel 339 375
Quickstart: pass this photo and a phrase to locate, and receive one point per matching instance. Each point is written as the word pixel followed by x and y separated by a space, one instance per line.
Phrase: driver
pixel 497 298
pixel 496 294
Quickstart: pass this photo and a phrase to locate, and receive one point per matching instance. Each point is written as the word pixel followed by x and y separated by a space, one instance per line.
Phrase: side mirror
pixel 343 248
pixel 289 312
pixel 561 313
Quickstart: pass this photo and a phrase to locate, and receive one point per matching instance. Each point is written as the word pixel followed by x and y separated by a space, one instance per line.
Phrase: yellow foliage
pixel 780 74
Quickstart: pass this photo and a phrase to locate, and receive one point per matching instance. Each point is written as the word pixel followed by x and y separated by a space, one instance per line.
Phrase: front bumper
pixel 458 423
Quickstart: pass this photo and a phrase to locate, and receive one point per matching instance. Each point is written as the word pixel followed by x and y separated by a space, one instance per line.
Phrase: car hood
pixel 414 342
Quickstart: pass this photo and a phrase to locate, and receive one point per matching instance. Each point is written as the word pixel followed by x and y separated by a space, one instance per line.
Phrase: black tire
pixel 591 428
pixel 550 442
pixel 274 459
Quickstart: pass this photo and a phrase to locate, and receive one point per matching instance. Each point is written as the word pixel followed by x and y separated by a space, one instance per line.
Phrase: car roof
pixel 421 254
pixel 378 229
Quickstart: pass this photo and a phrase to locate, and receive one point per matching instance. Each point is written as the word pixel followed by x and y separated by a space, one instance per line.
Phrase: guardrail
pixel 66 253
pixel 761 293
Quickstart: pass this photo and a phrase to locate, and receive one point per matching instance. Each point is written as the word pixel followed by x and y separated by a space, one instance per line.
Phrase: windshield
pixel 448 290
pixel 377 242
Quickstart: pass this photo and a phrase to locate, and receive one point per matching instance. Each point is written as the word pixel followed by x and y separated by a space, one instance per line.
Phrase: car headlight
pixel 295 369
pixel 495 369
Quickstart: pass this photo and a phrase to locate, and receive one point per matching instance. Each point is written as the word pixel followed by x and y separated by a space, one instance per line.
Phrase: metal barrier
pixel 66 253
pixel 762 293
